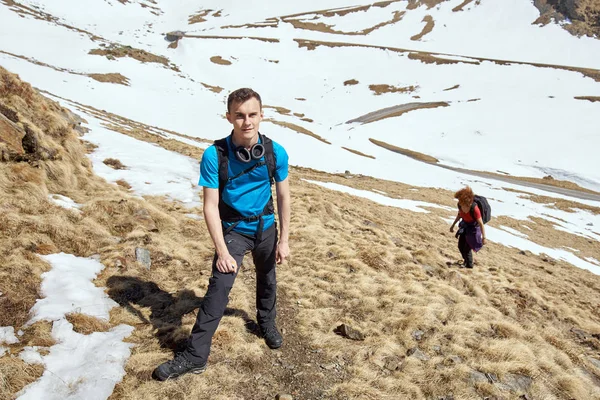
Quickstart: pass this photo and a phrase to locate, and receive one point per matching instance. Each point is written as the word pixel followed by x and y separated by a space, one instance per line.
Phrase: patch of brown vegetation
pixel 114 163
pixel 85 324
pixel 280 110
pixel 118 51
pixel 296 128
pixel 110 78
pixel 123 183
pixel 200 16
pixel 382 88
pixel 395 111
pixel 584 15
pixel 429 25
pixel 562 204
pixel 358 152
pixel 406 152
pixel 438 57
pixel 262 39
pixel 36 13
pixel 307 120
pixel 219 60
pixel 351 82
pixel 214 89
pixel 452 88
pixel 305 20
pixel 461 6
pixel 593 99
pixel 413 4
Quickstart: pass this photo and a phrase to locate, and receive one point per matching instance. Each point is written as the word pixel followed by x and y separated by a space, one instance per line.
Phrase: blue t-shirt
pixel 248 193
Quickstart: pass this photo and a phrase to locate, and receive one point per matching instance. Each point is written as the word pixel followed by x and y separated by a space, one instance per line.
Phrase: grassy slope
pixel 378 269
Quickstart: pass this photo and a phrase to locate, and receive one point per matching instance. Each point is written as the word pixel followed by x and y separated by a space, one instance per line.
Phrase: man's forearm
pixel 213 223
pixel 284 211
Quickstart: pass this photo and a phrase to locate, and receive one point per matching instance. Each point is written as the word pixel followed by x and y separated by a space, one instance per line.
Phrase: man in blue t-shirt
pixel 236 174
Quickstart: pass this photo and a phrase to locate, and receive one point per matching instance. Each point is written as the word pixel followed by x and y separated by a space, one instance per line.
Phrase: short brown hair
pixel 465 195
pixel 242 95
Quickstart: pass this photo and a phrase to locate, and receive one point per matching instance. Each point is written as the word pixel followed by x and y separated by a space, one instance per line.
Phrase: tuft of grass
pixel 86 324
pixel 114 163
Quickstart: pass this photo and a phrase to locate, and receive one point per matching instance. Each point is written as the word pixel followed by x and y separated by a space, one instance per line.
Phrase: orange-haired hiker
pixel 471 232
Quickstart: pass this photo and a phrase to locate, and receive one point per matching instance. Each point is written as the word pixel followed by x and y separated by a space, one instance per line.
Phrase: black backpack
pixel 228 213
pixel 484 207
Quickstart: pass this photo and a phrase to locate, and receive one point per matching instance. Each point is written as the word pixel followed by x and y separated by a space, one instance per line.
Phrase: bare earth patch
pixel 296 128
pixel 215 89
pixel 117 51
pixel 219 60
pixel 406 152
pixel 305 20
pixel 358 153
pixel 461 6
pixel 110 78
pixel 351 82
pixel 381 89
pixel 593 99
pixel 395 111
pixel 200 16
pixel 452 88
pixel 429 25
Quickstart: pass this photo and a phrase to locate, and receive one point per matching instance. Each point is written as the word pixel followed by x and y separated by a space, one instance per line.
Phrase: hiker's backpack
pixel 228 213
pixel 484 208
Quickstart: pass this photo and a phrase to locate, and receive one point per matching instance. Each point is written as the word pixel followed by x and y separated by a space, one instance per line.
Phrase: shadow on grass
pixel 166 310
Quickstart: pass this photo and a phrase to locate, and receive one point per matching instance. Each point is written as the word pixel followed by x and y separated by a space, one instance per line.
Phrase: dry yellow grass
pixel 384 271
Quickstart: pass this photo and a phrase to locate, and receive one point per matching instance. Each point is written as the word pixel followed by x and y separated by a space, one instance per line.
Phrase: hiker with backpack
pixel 474 211
pixel 237 173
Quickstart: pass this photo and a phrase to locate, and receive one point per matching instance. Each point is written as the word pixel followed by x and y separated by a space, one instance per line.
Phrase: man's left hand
pixel 283 252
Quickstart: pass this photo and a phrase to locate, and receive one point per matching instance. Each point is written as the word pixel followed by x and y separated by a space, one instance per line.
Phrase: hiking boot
pixel 176 367
pixel 272 336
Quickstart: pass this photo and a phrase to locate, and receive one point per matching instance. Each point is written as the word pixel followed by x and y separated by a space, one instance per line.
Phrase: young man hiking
pixel 471 230
pixel 237 173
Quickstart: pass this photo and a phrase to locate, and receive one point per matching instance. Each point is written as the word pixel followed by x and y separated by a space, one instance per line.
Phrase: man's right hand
pixel 226 264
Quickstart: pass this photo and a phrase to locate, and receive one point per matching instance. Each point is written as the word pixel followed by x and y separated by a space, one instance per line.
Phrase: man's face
pixel 245 118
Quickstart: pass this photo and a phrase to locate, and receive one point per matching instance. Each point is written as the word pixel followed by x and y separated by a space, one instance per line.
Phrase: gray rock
pixel 581 334
pixel 595 362
pixel 453 360
pixel 393 363
pixel 143 257
pixel 349 332
pixel 417 353
pixel 418 334
pixel 516 383
pixel 476 377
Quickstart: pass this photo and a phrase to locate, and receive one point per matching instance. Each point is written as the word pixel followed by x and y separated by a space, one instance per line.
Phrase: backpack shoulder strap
pixel 270 157
pixel 223 160
pixel 472 210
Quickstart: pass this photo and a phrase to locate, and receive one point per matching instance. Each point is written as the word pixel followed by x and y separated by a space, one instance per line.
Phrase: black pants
pixel 220 284
pixel 465 250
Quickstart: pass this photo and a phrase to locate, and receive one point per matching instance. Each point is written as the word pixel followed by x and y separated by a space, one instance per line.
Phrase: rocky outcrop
pixel 583 15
